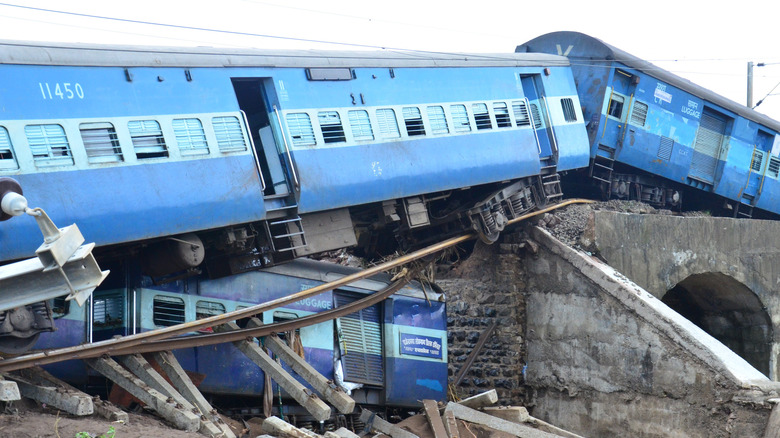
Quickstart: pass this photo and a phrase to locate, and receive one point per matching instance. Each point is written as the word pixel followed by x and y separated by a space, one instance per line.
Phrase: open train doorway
pixel 729 311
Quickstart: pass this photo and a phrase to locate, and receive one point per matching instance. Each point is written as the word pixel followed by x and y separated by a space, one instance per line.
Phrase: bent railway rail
pixel 166 338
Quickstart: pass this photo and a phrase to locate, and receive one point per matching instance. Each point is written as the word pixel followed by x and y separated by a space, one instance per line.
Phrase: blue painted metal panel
pixel 127 203
pixel 409 381
pixel 393 170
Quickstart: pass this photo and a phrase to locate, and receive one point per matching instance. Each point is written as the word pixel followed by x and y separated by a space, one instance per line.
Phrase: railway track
pixel 170 338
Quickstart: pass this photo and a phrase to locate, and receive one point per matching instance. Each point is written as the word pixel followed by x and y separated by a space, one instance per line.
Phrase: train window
pixel 757 160
pixel 567 105
pixel 774 166
pixel 49 145
pixel 460 118
pixel 639 114
pixel 301 131
pixel 615 108
pixel 520 111
pixel 204 309
pixel 230 136
pixel 361 125
pixel 502 115
pixel 536 115
pixel 330 124
pixel 59 307
pixel 7 159
pixel 101 142
pixel 438 120
pixel 413 120
pixel 108 310
pixel 388 124
pixel 481 116
pixel 167 311
pixel 148 140
pixel 190 136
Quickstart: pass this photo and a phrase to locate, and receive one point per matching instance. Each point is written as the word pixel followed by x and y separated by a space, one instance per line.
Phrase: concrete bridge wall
pixel 731 266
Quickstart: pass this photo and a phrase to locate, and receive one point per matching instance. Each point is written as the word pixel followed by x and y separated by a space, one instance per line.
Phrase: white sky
pixel 710 46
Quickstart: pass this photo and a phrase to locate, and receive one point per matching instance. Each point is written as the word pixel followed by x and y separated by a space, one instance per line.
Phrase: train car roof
pixel 597 50
pixel 76 54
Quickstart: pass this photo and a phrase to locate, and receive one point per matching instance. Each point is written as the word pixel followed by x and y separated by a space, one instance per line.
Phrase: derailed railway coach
pixel 263 156
pixel 392 353
pixel 654 135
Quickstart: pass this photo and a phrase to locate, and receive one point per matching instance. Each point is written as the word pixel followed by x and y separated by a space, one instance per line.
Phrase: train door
pixel 532 88
pixel 757 170
pixel 253 101
pixel 359 337
pixel 619 98
pixel 277 167
pixel 707 146
pixel 108 308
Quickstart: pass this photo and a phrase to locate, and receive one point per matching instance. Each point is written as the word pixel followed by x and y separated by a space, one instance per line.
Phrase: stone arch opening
pixel 729 311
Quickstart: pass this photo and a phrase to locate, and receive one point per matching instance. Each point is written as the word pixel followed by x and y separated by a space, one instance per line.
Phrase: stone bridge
pixel 722 274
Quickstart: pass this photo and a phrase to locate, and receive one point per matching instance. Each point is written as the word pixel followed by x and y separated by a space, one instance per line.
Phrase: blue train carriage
pixel 396 350
pixel 256 157
pixel 653 134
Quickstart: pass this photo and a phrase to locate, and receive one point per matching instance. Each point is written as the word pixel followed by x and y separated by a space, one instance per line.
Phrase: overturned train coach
pixel 654 135
pixel 390 354
pixel 262 156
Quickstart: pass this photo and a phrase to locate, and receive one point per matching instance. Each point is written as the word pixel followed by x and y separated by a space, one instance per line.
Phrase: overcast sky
pixel 708 42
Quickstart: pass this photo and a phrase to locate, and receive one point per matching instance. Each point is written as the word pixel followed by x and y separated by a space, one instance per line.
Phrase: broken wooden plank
pixel 434 419
pixel 327 388
pixel 142 369
pixel 9 390
pixel 515 414
pixel 181 381
pixel 278 427
pixel 487 398
pixel 474 416
pixel 474 353
pixel 373 422
pixel 180 418
pixel 451 424
pixel 343 432
pixel 310 401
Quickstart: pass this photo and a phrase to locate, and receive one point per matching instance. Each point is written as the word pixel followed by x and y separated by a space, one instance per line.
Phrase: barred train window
pixel 481 116
pixel 7 159
pixel 361 125
pixel 330 124
pixel 167 311
pixel 388 124
pixel 301 131
pixel 520 111
pixel 774 166
pixel 230 136
pixel 413 120
pixel 438 120
pixel 148 140
pixel 639 114
pixel 190 136
pixel 502 115
pixel 460 118
pixel 101 143
pixel 204 309
pixel 567 105
pixel 49 145
pixel 108 310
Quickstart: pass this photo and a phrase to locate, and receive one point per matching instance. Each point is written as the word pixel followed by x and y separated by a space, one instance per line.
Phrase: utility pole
pixel 750 85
